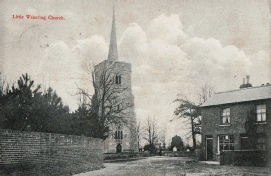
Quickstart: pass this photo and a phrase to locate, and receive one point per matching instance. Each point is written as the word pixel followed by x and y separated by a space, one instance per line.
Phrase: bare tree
pixel 109 105
pixel 151 133
pixel 205 92
pixel 139 134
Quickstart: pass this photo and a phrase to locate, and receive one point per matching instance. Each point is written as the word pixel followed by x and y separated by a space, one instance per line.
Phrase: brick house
pixel 224 117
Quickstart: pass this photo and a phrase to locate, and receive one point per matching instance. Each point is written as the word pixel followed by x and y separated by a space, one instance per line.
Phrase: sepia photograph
pixel 135 87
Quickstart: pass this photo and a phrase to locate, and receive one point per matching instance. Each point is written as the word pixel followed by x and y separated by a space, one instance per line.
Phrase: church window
pixel 118 79
pixel 118 134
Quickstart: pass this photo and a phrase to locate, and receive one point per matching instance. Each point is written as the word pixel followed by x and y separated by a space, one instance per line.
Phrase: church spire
pixel 113 49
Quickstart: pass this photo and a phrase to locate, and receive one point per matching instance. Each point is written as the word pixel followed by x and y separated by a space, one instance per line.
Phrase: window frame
pixel 228 117
pixel 260 113
pixel 230 143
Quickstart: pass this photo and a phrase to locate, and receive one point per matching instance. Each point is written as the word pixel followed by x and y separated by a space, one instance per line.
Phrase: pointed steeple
pixel 113 48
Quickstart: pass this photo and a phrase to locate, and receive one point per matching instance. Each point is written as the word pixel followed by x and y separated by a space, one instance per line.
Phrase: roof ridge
pixel 266 85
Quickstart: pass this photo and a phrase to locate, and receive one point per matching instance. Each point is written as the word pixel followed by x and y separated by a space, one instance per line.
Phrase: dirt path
pixel 168 166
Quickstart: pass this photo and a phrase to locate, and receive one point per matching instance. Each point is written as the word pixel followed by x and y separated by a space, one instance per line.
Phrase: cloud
pixel 91 49
pixel 166 28
pixel 166 62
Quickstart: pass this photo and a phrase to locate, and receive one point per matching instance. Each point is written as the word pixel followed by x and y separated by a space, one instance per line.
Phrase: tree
pixel 205 92
pixel 139 134
pixel 177 142
pixel 24 107
pixel 50 113
pixel 108 106
pixel 191 110
pixel 187 109
pixel 151 133
pixel 17 104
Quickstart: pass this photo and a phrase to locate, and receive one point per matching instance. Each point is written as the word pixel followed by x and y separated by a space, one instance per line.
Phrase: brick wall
pixel 211 121
pixel 244 158
pixel 51 153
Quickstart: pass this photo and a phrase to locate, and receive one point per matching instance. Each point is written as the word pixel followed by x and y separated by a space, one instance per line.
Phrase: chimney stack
pixel 247 79
pixel 246 84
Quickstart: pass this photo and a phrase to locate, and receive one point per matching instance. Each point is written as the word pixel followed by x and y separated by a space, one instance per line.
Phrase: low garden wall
pixel 125 155
pixel 177 153
pixel 244 158
pixel 48 154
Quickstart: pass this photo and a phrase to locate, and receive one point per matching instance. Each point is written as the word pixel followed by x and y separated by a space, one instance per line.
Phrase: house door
pixel 118 148
pixel 209 149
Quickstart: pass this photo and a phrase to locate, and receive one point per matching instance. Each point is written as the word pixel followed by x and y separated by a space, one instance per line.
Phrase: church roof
pixel 113 48
pixel 240 95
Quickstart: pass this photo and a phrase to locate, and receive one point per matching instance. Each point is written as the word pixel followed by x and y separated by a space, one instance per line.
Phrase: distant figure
pixel 174 149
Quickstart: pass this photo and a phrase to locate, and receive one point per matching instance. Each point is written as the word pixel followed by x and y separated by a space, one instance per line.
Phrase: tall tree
pixel 24 107
pixel 50 113
pixel 151 133
pixel 139 134
pixel 191 110
pixel 18 103
pixel 187 109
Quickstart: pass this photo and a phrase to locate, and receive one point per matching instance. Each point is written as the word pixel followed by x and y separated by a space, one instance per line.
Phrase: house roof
pixel 240 95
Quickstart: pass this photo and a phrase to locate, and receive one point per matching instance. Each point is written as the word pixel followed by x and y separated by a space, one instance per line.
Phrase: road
pixel 168 166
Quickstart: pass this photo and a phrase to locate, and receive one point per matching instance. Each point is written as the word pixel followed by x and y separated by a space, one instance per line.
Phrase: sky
pixel 174 47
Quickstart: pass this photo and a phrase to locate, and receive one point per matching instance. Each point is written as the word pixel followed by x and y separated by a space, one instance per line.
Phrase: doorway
pixel 209 148
pixel 119 148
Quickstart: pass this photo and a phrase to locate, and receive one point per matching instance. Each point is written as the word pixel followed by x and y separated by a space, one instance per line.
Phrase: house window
pixel 225 142
pixel 118 79
pixel 261 141
pixel 261 113
pixel 225 116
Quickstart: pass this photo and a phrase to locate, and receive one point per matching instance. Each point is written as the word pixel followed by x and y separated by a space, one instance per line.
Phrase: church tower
pixel 120 101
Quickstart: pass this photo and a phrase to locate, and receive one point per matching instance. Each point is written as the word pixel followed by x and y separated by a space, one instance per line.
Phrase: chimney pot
pixel 247 79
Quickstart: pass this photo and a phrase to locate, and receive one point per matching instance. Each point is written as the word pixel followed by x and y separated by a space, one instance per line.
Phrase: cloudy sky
pixel 174 46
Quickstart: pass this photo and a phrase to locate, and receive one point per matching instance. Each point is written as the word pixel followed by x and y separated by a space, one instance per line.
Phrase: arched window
pixel 118 134
pixel 118 79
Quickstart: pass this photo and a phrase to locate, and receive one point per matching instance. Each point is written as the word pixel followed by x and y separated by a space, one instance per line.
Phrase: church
pixel 114 76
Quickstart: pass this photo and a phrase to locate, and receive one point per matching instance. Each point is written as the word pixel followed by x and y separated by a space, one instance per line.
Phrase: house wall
pixel 211 123
pixel 50 153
